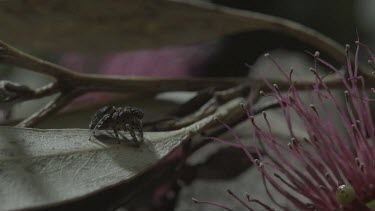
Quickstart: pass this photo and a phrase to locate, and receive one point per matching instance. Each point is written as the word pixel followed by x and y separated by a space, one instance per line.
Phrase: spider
pixel 125 118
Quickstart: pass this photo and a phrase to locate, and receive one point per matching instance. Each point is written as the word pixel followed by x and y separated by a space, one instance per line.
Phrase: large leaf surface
pixel 45 167
pixel 96 25
pixel 99 26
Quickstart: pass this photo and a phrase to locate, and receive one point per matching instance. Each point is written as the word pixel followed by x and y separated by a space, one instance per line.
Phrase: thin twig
pixel 206 108
pixel 47 90
pixel 50 108
pixel 257 109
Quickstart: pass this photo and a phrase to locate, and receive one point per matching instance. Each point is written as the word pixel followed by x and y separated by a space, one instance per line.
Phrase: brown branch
pixel 68 79
pixel 150 84
pixel 11 55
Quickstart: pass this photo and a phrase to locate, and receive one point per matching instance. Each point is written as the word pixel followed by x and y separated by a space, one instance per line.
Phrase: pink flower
pixel 335 170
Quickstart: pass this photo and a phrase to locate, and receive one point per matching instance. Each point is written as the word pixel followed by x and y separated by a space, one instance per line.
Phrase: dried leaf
pixel 98 26
pixel 40 168
pixel 68 24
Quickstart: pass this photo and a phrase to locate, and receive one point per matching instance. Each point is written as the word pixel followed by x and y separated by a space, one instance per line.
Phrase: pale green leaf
pixel 46 167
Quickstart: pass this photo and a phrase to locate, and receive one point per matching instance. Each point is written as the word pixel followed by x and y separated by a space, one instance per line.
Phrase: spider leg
pixel 109 132
pixel 100 123
pixel 116 114
pixel 131 131
pixel 140 130
pixel 115 131
pixel 138 125
pixel 116 117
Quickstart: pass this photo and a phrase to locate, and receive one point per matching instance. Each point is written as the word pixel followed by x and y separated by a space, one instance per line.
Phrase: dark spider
pixel 121 118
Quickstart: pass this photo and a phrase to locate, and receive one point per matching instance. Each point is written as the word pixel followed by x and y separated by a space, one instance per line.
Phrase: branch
pixel 205 107
pixel 50 108
pixel 68 79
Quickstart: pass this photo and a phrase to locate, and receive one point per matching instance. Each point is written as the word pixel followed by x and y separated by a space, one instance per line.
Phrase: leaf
pixel 40 168
pixel 99 26
pixel 68 25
